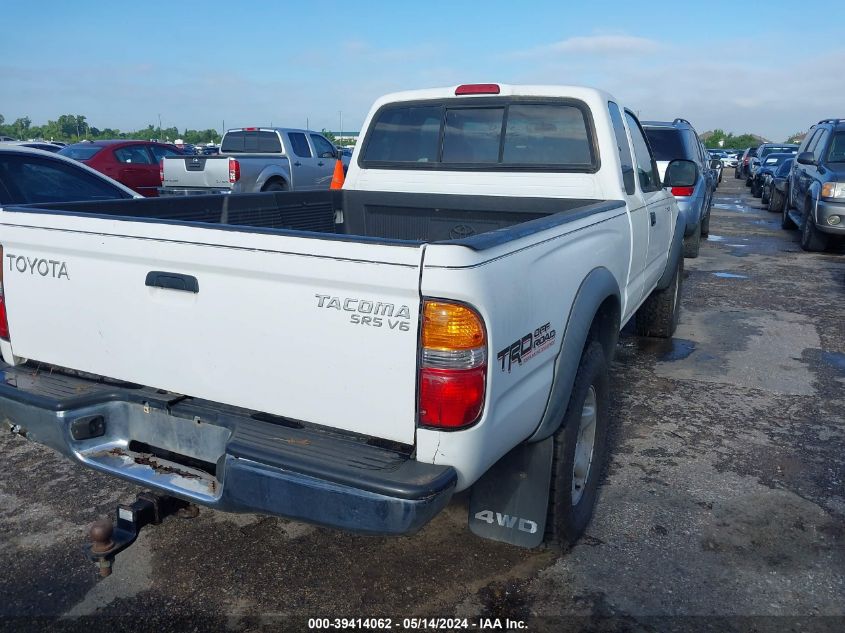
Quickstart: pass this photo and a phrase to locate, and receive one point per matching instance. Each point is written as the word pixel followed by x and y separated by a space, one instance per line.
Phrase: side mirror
pixel 715 163
pixel 806 158
pixel 681 173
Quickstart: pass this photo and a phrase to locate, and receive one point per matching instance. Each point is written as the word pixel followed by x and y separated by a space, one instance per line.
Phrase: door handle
pixel 321 163
pixel 653 218
pixel 172 281
pixel 297 164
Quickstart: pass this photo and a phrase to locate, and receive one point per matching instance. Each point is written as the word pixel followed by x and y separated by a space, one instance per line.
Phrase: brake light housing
pixel 234 171
pixel 453 366
pixel 682 191
pixel 4 319
pixel 477 89
pixel 161 171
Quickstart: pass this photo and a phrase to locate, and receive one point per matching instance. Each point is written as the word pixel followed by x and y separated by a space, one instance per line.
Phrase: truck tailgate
pixel 319 330
pixel 196 171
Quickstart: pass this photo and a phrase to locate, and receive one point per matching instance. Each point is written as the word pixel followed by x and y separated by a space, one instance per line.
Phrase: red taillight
pixel 161 171
pixel 745 160
pixel 453 365
pixel 682 191
pixel 451 398
pixel 234 171
pixel 249 129
pixel 4 321
pixel 477 89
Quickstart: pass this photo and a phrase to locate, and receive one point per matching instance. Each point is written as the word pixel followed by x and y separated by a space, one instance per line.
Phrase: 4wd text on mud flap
pixel 507 521
pixel 44 267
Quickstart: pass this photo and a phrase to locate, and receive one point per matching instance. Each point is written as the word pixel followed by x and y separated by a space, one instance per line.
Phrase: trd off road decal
pixel 527 347
pixel 369 313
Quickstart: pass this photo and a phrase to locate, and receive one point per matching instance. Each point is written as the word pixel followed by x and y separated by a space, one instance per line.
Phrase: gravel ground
pixel 722 508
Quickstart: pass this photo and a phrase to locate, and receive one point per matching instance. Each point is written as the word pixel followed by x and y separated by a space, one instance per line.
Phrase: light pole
pixel 159 127
pixel 340 131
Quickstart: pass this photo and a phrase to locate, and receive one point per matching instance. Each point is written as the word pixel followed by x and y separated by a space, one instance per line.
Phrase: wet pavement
pixel 723 506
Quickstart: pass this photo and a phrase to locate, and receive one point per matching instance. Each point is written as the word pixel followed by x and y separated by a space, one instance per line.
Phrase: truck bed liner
pixel 384 217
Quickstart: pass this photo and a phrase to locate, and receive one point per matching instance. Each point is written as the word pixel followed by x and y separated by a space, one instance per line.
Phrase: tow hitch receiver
pixel 108 540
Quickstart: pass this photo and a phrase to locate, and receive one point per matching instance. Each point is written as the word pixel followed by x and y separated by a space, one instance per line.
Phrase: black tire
pixel 692 244
pixel 567 522
pixel 812 240
pixel 775 201
pixel 658 316
pixel 705 225
pixel 274 185
pixel 756 190
pixel 748 181
pixel 764 196
pixel 786 222
pixel 737 175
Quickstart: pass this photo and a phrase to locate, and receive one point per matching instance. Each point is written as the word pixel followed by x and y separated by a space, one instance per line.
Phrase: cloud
pixel 599 45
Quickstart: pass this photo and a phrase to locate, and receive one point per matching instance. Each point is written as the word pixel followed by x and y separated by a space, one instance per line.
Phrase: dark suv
pixel 678 139
pixel 757 159
pixel 815 196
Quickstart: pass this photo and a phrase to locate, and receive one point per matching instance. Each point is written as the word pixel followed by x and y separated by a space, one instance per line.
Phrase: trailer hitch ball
pixel 100 535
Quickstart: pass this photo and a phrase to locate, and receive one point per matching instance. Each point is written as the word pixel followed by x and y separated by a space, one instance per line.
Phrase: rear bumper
pixel 223 457
pixel 176 191
pixel 691 208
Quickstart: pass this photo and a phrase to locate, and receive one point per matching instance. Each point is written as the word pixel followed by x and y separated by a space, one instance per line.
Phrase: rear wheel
pixel 692 244
pixel 812 239
pixel 775 200
pixel 755 189
pixel 274 185
pixel 705 225
pixel 658 316
pixel 579 451
pixel 765 195
pixel 785 221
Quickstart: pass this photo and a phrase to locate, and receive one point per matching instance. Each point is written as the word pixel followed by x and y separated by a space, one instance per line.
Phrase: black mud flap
pixel 509 503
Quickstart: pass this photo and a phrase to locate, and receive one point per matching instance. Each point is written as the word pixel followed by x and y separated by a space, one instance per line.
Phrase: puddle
pixel 738 245
pixel 730 276
pixel 834 359
pixel 666 350
pixel 715 238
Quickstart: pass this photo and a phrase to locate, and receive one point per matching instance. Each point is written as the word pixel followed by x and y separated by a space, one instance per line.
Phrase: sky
pixel 205 64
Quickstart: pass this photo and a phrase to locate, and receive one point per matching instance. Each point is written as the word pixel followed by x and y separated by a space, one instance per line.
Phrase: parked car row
pixel 814 188
pixel 728 158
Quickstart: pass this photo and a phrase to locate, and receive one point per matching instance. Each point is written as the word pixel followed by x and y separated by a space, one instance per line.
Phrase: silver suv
pixel 670 140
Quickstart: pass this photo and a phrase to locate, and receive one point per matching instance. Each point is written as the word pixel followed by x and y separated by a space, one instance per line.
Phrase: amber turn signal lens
pixel 449 326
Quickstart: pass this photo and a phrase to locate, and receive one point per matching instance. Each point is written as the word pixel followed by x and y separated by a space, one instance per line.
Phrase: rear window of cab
pixel 482 134
pixel 80 152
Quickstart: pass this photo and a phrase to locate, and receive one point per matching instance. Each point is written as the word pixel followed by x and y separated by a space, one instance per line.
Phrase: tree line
pixel 741 141
pixel 70 128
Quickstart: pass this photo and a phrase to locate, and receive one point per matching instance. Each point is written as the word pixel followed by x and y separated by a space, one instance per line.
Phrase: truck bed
pixel 384 217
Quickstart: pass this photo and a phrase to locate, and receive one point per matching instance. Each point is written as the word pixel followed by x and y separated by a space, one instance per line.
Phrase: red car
pixel 132 163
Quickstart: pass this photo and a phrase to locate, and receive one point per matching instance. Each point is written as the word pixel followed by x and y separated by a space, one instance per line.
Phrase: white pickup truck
pixel 354 357
pixel 254 159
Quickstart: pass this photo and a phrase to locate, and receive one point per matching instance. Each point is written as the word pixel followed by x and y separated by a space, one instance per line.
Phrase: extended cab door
pixel 637 209
pixel 325 153
pixel 303 164
pixel 657 203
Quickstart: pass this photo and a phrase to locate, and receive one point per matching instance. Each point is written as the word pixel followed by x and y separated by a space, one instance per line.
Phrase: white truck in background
pixel 352 358
pixel 254 159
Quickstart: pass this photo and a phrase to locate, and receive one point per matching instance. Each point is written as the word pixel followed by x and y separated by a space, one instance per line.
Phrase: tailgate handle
pixel 172 281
